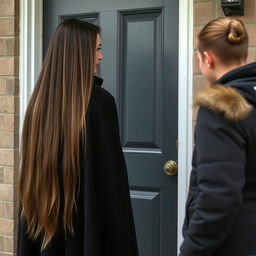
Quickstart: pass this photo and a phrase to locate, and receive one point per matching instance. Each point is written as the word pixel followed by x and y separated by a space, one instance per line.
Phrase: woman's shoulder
pixel 101 98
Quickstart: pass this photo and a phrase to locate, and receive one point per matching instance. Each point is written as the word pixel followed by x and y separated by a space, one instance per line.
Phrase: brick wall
pixel 206 10
pixel 9 109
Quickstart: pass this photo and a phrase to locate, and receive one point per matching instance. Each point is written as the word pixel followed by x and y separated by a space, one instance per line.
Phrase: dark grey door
pixel 140 68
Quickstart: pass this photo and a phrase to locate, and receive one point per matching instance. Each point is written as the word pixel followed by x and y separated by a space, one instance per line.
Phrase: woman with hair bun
pixel 221 206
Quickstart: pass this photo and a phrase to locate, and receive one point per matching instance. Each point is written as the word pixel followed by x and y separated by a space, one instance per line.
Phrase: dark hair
pixel 226 37
pixel 54 121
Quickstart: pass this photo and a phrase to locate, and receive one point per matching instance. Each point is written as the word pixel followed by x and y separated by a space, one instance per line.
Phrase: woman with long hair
pixel 221 205
pixel 73 187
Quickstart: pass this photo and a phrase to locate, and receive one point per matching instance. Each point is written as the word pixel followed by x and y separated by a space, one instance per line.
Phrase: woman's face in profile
pixel 98 54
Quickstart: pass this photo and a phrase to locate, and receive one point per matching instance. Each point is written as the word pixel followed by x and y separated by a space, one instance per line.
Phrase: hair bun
pixel 237 32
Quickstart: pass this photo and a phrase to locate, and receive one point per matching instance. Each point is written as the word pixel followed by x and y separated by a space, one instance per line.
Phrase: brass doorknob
pixel 171 168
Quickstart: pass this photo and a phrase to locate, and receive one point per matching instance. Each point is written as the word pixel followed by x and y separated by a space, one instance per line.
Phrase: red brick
pixel 7 7
pixel 6 227
pixel 7 27
pixel 204 12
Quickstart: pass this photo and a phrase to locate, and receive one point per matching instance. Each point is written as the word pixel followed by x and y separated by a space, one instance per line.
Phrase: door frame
pixel 31 45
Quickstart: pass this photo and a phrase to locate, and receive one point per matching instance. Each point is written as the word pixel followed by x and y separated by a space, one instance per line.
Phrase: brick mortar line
pixel 245 22
pixel 15 96
pixel 13 149
pixel 7 253
pixel 204 2
pixel 14 184
pixel 202 24
pixel 9 16
pixel 9 166
pixel 15 208
pixel 11 202
pixel 15 205
pixel 8 131
pixel 9 76
pixel 198 75
pixel 250 22
pixel 5 167
pixel 5 201
pixel 10 37
pixel 8 218
pixel 13 113
pixel 8 114
pixel 2 147
pixel 15 57
pixel 14 220
pixel 9 95
pixel 7 56
pixel 252 46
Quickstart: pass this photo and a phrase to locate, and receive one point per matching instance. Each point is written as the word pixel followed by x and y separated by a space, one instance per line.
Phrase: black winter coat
pixel 221 205
pixel 103 225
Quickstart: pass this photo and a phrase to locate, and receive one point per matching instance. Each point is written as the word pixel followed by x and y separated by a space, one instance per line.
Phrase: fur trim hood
pixel 233 95
pixel 224 100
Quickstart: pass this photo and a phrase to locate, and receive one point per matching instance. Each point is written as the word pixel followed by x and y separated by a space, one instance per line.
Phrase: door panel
pixel 140 48
pixel 147 206
pixel 141 59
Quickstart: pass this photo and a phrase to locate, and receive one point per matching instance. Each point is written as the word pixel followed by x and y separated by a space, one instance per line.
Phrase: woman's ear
pixel 208 56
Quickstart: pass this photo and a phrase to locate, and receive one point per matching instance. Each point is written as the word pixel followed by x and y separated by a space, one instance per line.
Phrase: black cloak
pixel 103 223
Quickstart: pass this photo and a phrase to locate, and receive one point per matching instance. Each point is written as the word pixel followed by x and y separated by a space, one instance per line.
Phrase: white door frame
pixel 31 45
pixel 31 42
pixel 185 115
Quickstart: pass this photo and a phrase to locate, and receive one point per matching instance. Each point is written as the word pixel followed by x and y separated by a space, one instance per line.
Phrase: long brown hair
pixel 54 122
pixel 226 37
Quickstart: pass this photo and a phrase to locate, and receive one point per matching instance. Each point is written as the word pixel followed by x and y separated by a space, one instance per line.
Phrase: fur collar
pixel 225 100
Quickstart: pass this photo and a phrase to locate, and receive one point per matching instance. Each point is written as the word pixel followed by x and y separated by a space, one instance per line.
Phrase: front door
pixel 140 68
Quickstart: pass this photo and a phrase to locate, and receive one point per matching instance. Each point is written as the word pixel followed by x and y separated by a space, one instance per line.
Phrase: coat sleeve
pixel 221 177
pixel 117 232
